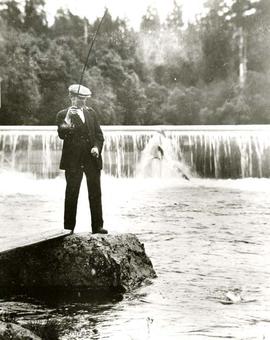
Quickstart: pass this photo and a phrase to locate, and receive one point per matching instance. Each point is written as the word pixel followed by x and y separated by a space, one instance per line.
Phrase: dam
pixel 237 151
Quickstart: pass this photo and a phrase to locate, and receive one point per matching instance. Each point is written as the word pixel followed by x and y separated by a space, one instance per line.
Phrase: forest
pixel 215 70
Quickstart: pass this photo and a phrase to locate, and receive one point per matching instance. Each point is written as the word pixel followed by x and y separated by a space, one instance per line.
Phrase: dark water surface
pixel 208 241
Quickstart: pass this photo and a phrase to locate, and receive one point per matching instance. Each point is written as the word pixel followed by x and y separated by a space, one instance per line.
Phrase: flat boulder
pixel 96 262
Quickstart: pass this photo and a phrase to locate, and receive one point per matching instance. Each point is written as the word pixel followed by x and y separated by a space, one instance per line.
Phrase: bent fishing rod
pixel 90 49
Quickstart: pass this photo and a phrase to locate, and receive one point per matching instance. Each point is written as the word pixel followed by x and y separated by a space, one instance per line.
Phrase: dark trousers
pixel 73 184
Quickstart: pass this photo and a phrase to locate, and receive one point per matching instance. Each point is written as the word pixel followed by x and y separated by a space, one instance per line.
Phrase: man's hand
pixel 69 117
pixel 95 152
pixel 72 110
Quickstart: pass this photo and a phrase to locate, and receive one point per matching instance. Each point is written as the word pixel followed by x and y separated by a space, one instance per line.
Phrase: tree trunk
pixel 242 58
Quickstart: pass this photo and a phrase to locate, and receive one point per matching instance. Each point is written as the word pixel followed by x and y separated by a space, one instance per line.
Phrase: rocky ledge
pixel 95 262
pixel 14 331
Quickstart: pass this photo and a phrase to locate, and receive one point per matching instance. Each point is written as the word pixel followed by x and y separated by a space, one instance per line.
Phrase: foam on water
pixel 204 237
pixel 12 182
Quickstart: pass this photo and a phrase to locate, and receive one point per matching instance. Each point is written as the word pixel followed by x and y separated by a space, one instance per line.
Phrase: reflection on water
pixel 208 241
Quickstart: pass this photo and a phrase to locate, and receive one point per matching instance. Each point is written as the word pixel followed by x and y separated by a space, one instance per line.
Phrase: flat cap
pixel 79 90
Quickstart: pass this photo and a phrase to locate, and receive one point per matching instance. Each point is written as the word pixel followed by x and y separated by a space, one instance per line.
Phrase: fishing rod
pixel 90 49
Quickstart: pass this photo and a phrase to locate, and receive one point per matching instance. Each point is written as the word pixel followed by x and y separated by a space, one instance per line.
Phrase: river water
pixel 208 241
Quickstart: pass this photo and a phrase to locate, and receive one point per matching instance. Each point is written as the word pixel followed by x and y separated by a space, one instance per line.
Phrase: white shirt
pixel 79 112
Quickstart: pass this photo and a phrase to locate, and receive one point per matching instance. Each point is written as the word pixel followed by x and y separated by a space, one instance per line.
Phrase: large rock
pixel 13 331
pixel 96 262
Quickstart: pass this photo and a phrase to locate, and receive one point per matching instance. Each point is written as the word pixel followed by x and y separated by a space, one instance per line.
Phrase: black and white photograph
pixel 134 169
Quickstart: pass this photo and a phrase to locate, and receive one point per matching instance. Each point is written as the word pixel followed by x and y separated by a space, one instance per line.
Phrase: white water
pixel 209 151
pixel 206 238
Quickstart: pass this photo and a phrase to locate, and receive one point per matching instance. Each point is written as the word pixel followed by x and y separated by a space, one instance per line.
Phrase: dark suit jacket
pixel 71 148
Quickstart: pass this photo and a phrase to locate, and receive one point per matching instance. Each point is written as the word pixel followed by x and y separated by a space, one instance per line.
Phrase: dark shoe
pixel 70 229
pixel 100 231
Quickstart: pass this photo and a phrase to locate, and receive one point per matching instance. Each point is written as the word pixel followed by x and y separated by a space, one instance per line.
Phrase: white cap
pixel 79 90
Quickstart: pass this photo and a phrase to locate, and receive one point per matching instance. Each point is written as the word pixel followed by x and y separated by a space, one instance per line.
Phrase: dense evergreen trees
pixel 214 71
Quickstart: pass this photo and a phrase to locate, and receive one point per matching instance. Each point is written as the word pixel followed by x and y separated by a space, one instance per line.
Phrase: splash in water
pixel 159 159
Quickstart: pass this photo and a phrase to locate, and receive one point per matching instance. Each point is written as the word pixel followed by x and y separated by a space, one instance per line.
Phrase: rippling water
pixel 206 239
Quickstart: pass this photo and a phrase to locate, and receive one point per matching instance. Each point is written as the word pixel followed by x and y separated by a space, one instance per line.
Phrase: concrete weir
pixel 78 261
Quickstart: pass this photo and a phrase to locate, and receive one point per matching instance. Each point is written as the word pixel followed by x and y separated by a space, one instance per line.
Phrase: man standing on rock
pixel 83 142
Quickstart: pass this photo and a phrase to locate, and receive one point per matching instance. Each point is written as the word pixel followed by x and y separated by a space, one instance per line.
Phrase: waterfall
pixel 225 151
pixel 208 151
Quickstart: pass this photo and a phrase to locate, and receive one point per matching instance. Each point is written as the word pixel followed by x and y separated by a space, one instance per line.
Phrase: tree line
pixel 213 71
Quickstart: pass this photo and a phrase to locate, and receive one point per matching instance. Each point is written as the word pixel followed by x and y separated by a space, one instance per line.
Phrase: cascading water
pixel 122 150
pixel 209 151
pixel 33 150
pixel 225 151
pixel 160 159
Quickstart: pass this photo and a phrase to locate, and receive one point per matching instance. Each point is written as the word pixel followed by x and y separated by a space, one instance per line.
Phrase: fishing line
pixel 90 49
